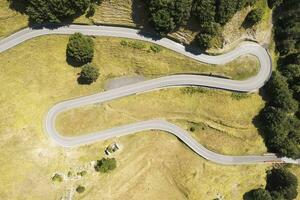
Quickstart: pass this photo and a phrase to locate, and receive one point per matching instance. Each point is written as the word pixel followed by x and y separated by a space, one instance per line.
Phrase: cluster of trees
pixel 166 15
pixel 80 51
pixel 281 185
pixel 54 11
pixel 281 124
pixel 105 164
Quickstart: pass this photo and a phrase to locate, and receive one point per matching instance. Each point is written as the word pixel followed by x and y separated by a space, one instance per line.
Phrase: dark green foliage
pixel 253 17
pixel 209 31
pixel 257 194
pixel 204 10
pixel 89 74
pixel 80 189
pixel 204 40
pixel 226 9
pixel 155 48
pixel 166 15
pixel 133 44
pixel 105 164
pixel 55 11
pixel 283 182
pixel 80 48
pixel 280 93
pixel 274 3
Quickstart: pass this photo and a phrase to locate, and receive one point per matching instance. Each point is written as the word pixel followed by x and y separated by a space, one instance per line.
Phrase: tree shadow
pixel 18 5
pixel 140 14
pixel 83 81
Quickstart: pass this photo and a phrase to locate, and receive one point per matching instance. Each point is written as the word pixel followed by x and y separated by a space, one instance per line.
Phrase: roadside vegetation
pixel 281 185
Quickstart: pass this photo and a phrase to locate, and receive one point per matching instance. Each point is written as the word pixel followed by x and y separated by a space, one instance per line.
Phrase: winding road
pixel 249 85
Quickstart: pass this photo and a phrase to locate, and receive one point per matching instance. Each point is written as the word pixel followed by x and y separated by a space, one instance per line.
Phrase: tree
pixel 274 3
pixel 166 15
pixel 105 164
pixel 282 181
pixel 55 11
pixel 80 48
pixel 257 194
pixel 204 40
pixel 204 10
pixel 163 21
pixel 253 17
pixel 280 94
pixel 209 31
pixel 89 74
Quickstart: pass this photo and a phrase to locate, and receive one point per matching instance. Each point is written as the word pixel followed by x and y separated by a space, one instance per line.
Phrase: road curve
pixel 248 85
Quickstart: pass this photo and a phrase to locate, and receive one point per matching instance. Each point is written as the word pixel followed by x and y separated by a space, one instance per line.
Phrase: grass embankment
pixel 221 123
pixel 34 76
pixel 10 20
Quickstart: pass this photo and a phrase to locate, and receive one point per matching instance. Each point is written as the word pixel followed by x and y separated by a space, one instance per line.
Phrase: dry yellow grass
pixel 34 76
pixel 10 21
pixel 220 125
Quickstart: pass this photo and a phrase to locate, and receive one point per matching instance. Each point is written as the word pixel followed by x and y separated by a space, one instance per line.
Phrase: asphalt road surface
pixel 249 85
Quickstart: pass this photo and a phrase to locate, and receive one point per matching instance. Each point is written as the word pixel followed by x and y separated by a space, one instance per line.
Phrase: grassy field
pixel 34 76
pixel 215 115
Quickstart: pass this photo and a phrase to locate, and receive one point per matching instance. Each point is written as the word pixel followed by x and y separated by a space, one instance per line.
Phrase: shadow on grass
pixel 18 5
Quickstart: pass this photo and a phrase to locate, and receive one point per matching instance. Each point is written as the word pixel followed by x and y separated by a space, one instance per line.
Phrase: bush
pixel 257 194
pixel 239 95
pixel 89 74
pixel 80 189
pixel 253 17
pixel 133 44
pixel 155 48
pixel 57 178
pixel 80 48
pixel 54 11
pixel 105 164
pixel 283 182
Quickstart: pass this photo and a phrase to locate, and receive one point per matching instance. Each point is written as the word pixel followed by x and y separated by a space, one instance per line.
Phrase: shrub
pixel 105 164
pixel 89 74
pixel 80 48
pixel 253 17
pixel 80 189
pixel 57 178
pixel 155 48
pixel 133 44
pixel 239 95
